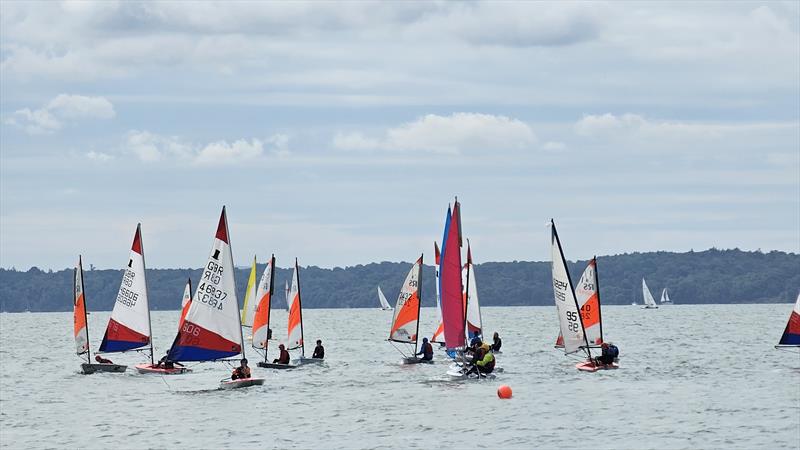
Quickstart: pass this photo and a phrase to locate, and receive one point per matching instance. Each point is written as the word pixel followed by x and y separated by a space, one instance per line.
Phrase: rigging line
pixel 396 348
pixel 165 382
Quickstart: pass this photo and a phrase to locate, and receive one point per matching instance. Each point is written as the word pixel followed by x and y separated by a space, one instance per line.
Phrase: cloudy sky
pixel 339 132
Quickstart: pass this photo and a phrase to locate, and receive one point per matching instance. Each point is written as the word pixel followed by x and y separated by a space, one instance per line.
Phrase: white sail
pixel 129 325
pixel 438 334
pixel 250 299
pixel 406 312
pixel 384 303
pixel 295 330
pixel 212 328
pixel 649 301
pixel 569 320
pixel 474 322
pixel 262 311
pixel 589 302
pixel 286 293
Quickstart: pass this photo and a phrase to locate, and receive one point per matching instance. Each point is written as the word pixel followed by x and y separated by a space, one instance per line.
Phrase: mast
pixel 144 271
pixel 466 304
pixel 419 302
pixel 300 310
pixel 599 307
pixel 571 287
pixel 269 303
pixel 85 313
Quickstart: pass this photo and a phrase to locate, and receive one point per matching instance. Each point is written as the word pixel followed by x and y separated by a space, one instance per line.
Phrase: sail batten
pixel 212 329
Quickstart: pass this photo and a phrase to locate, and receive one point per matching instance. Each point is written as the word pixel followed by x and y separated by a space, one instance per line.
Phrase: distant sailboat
pixel 261 318
pixel 129 325
pixel 81 327
pixel 250 302
pixel 405 323
pixel 649 301
pixel 382 299
pixel 791 334
pixel 665 297
pixel 212 328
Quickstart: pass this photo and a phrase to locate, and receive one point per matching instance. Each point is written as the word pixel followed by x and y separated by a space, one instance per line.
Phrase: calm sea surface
pixel 690 377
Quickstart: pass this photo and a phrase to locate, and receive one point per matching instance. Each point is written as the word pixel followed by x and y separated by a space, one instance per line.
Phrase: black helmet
pixel 244 360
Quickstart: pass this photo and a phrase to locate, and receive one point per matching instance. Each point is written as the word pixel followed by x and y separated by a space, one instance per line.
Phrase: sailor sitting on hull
pixel 609 355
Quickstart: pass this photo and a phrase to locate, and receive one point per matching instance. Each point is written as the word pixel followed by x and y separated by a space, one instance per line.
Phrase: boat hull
pixel 456 374
pixel 92 368
pixel 240 383
pixel 589 366
pixel 267 365
pixel 150 368
pixel 415 360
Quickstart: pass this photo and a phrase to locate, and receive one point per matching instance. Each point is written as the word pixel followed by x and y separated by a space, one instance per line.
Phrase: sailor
pixel 284 356
pixel 102 360
pixel 165 363
pixel 319 350
pixel 486 365
pixel 497 342
pixel 242 371
pixel 426 350
pixel 610 353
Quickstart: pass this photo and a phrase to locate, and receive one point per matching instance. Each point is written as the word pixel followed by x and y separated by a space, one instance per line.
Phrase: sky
pixel 339 132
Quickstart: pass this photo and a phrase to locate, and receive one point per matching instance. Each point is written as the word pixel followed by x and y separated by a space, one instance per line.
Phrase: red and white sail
pixel 294 335
pixel 405 322
pixel 250 302
pixel 129 325
pixel 212 328
pixel 438 335
pixel 79 311
pixel 474 323
pixel 186 302
pixel 566 304
pixel 589 302
pixel 263 304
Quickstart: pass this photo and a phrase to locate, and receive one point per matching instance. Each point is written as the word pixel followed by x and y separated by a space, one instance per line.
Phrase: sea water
pixel 689 377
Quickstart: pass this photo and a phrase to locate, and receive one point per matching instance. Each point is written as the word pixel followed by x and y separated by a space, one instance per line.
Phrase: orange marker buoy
pixel 504 391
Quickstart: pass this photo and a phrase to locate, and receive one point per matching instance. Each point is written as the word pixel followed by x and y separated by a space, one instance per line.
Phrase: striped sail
pixel 588 296
pixel 406 311
pixel 791 335
pixel 569 319
pixel 450 284
pixel 129 325
pixel 294 335
pixel 79 311
pixel 250 302
pixel 212 329
pixel 438 335
pixel 264 296
pixel 186 302
pixel 474 323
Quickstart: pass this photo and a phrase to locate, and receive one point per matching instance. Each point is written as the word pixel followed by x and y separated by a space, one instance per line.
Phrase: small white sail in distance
pixel 382 298
pixel 649 301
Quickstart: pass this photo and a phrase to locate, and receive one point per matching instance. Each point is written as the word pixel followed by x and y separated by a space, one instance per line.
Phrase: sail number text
pixel 126 296
pixel 208 292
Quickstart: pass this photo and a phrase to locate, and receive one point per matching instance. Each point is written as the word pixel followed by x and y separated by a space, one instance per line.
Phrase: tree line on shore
pixel 710 276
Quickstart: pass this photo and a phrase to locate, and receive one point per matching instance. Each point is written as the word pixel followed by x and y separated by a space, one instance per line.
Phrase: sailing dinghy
pixel 570 320
pixel 295 328
pixel 405 323
pixel 261 318
pixel 791 334
pixel 649 301
pixel 249 307
pixel 665 297
pixel 587 292
pixel 212 329
pixel 81 327
pixel 382 299
pixel 167 368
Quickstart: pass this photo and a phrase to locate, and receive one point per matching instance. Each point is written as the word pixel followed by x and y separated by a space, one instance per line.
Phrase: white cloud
pixel 51 117
pixel 150 147
pixel 99 156
pixel 457 133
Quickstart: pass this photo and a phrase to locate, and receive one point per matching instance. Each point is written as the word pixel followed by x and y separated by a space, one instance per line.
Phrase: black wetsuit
pixel 497 344
pixel 426 351
pixel 608 356
pixel 319 352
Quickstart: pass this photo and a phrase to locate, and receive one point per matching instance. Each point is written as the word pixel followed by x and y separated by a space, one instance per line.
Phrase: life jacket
pixel 486 347
pixel 488 358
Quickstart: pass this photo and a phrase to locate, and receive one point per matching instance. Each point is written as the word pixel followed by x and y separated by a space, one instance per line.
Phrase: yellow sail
pixel 249 308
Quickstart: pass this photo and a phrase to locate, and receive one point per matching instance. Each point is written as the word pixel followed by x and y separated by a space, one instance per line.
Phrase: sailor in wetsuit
pixel 610 353
pixel 102 360
pixel 283 358
pixel 319 350
pixel 242 371
pixel 426 350
pixel 497 342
